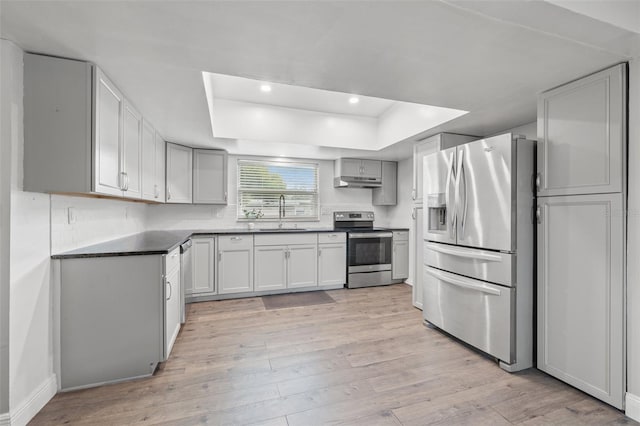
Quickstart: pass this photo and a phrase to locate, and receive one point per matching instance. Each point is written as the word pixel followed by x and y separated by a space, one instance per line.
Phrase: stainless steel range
pixel 369 249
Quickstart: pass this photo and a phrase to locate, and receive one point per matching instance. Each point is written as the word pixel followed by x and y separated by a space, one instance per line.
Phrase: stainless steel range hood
pixel 357 173
pixel 356 182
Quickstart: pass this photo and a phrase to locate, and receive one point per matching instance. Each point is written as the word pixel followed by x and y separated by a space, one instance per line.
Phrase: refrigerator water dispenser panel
pixel 437 210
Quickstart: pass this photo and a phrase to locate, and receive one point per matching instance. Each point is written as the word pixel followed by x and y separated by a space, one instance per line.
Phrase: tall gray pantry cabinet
pixel 581 189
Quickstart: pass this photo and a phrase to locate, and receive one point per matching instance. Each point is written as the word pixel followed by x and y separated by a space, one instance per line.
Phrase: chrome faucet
pixel 281 206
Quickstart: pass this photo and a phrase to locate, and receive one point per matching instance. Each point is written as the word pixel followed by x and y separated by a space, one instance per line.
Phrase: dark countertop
pixel 162 242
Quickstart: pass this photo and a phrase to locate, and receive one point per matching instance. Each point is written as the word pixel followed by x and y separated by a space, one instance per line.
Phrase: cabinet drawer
pixel 285 239
pixel 400 235
pixel 172 260
pixel 332 237
pixel 235 242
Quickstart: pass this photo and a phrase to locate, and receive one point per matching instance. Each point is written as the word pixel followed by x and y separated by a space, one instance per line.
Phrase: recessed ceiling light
pixel 354 100
pixel 265 88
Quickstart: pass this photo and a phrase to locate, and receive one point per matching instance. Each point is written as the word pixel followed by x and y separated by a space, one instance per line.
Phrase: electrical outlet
pixel 72 215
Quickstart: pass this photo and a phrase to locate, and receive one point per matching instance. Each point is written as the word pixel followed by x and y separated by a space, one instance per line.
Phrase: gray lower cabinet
pixel 285 261
pixel 400 255
pixel 332 259
pixel 118 317
pixel 235 263
pixel 418 249
pixel 203 253
pixel 581 311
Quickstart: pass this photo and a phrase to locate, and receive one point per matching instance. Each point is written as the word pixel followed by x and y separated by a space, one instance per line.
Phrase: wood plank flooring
pixel 365 360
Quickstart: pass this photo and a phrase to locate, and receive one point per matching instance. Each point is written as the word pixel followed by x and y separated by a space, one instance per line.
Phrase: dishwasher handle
pixel 185 246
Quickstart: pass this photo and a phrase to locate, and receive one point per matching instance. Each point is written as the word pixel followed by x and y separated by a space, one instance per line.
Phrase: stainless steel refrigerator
pixel 479 246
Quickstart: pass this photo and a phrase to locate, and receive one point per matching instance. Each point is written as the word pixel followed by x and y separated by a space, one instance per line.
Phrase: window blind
pixel 260 184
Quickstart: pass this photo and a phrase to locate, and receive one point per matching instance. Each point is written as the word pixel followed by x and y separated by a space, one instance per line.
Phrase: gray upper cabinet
pixel 109 106
pixel 371 168
pixel 386 195
pixel 209 176
pixel 81 135
pixel 581 133
pixel 360 168
pixel 149 189
pixel 132 152
pixel 160 169
pixel 179 174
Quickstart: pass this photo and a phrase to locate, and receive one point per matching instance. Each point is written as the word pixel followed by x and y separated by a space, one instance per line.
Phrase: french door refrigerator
pixel 478 246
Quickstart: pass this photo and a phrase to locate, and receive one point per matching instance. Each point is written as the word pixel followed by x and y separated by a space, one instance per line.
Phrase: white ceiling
pixel 285 95
pixel 491 58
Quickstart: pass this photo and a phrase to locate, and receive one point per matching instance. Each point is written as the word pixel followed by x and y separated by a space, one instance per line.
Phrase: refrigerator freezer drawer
pixel 483 265
pixel 474 311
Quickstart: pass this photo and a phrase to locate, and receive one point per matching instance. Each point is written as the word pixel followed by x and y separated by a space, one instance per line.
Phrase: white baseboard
pixel 5 419
pixel 632 406
pixel 34 403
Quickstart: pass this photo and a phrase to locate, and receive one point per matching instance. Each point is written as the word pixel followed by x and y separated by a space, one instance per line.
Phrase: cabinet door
pixel 581 135
pixel 581 293
pixel 179 174
pixel 132 152
pixel 302 266
pixel 418 264
pixel 160 170
pixel 148 161
pixel 108 136
pixel 420 150
pixel 202 258
pixel 351 167
pixel 235 264
pixel 172 310
pixel 209 176
pixel 270 268
pixel 400 260
pixel 332 264
pixel 387 194
pixel 371 168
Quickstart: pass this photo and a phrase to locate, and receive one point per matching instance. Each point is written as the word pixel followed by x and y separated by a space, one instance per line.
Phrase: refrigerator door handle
pixel 480 255
pixel 451 178
pixel 463 177
pixel 463 282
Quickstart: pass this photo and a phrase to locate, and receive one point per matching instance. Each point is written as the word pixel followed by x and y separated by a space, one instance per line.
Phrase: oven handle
pixel 370 235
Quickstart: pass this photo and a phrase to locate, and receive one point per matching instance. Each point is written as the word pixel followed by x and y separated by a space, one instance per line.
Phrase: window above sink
pixel 267 188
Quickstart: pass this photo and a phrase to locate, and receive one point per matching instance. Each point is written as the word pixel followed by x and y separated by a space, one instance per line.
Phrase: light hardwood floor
pixel 365 360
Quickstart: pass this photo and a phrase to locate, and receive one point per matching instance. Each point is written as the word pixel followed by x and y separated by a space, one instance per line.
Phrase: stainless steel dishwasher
pixel 186 275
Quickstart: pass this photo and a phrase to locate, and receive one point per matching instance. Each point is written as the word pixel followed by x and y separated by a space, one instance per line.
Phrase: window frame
pixel 270 161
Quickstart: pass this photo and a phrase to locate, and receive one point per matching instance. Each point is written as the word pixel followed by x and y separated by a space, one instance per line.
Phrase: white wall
pixel 212 217
pixel 30 342
pixel 9 74
pixel 633 244
pixel 97 220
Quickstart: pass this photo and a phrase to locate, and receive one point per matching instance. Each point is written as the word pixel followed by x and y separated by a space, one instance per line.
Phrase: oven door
pixel 369 251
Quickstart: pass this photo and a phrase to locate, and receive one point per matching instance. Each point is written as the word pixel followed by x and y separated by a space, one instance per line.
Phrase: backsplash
pixel 93 220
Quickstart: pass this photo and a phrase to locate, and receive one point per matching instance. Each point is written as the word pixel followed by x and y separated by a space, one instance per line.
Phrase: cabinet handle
pixel 333 235
pixel 126 181
pixel 538 182
pixel 219 256
pixel 174 255
pixel 538 215
pixel 413 213
pixel 225 195
pixel 413 194
pixel 168 193
pixel 170 289
pixel 121 181
pixel 156 193
pixel 236 238
pixel 319 252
